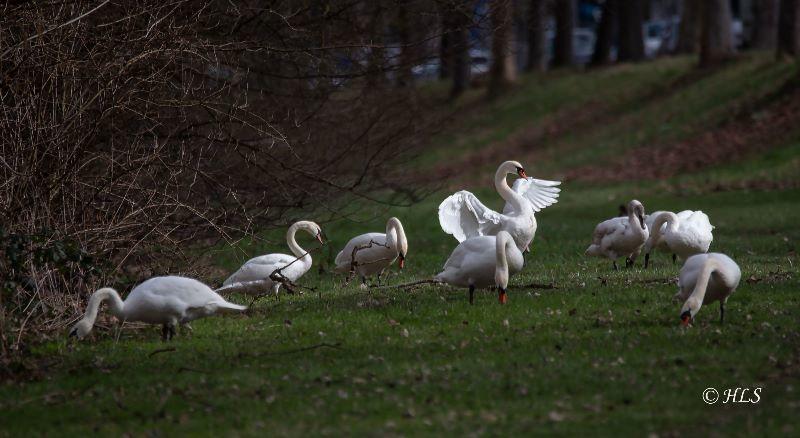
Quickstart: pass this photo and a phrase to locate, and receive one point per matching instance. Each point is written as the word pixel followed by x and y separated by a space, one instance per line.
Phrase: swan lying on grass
pixel 374 252
pixel 291 267
pixel 168 301
pixel 481 262
pixel 706 278
pixel 620 236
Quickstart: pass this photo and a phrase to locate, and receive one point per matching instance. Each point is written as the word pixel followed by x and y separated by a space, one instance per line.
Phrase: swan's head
pixel 689 310
pixel 637 209
pixel 80 329
pixel 402 242
pixel 313 229
pixel 513 167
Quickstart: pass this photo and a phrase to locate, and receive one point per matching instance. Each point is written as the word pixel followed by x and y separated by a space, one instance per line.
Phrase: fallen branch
pixel 539 286
pixel 300 350
pixel 407 285
pixel 161 350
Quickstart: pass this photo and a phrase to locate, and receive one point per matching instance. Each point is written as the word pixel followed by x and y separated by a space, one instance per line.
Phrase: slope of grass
pixel 602 353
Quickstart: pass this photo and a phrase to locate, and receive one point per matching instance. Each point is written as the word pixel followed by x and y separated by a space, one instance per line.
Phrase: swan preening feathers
pixel 620 236
pixel 291 267
pixel 374 252
pixel 481 262
pixel 489 253
pixel 704 279
pixel 464 216
pixel 168 301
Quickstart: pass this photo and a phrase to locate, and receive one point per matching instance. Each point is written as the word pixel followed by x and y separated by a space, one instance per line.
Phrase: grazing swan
pixel 706 278
pixel 374 252
pixel 160 300
pixel 464 216
pixel 620 236
pixel 481 262
pixel 292 266
pixel 685 234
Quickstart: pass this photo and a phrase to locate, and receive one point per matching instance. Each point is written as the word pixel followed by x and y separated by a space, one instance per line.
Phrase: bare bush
pixel 138 132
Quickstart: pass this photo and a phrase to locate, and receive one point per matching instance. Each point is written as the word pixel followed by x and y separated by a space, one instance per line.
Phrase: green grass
pixel 602 353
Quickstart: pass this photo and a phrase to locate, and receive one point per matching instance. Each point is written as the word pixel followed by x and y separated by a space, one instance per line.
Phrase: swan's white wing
pixel 539 192
pixel 700 222
pixel 464 216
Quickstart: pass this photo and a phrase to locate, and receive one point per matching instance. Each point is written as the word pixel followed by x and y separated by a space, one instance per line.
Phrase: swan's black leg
pixel 171 331
pixel 628 262
pixel 721 312
pixel 363 280
pixel 646 260
pixel 164 333
pixel 471 294
pixel 674 258
pixel 616 268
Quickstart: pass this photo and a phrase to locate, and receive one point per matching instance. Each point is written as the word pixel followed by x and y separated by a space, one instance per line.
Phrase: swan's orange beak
pixel 401 261
pixel 319 237
pixel 503 297
pixel 686 318
pixel 521 173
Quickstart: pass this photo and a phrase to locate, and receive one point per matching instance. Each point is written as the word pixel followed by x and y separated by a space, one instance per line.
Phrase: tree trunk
pixel 605 33
pixel 765 34
pixel 689 31
pixel 716 38
pixel 460 46
pixel 631 40
pixel 565 24
pixel 537 39
pixel 789 28
pixel 502 72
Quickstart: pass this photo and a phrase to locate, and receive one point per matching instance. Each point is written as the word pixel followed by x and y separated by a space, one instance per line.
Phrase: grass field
pixel 601 353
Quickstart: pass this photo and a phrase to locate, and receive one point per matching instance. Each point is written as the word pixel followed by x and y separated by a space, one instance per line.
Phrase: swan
pixel 463 215
pixel 167 300
pixel 292 267
pixel 374 252
pixel 620 236
pixel 685 234
pixel 706 278
pixel 481 262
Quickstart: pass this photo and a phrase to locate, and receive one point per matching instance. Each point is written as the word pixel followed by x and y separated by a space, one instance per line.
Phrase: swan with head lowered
pixel 620 236
pixel 464 216
pixel 706 278
pixel 483 261
pixel 374 252
pixel 684 234
pixel 168 301
pixel 267 270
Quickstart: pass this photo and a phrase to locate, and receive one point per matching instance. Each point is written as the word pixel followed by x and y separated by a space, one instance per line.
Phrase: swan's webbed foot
pixel 471 294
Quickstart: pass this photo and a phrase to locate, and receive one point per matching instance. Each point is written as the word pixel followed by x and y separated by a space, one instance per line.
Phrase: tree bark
pixel 631 40
pixel 716 38
pixel 765 34
pixel 605 33
pixel 537 38
pixel 565 24
pixel 502 72
pixel 689 31
pixel 789 28
pixel 460 46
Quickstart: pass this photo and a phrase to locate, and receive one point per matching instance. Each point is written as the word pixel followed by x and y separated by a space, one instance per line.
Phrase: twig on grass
pixel 407 285
pixel 161 350
pixel 300 350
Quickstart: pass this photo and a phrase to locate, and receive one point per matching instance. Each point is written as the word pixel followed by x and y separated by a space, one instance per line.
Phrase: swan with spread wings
pixel 463 215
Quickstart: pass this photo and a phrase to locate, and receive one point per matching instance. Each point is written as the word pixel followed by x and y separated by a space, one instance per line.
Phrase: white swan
pixel 685 234
pixel 374 252
pixel 620 236
pixel 292 267
pixel 464 216
pixel 706 278
pixel 167 300
pixel 481 262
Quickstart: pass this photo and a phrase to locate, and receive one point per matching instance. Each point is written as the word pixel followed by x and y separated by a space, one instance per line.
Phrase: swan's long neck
pixel 290 240
pixel 671 219
pixel 501 185
pixel 695 300
pixel 501 252
pixel 115 304
pixel 396 236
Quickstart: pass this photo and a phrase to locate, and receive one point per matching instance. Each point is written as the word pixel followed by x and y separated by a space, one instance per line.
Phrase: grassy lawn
pixel 601 353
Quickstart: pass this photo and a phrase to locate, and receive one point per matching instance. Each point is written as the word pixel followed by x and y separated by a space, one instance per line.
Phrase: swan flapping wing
pixel 464 216
pixel 539 192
